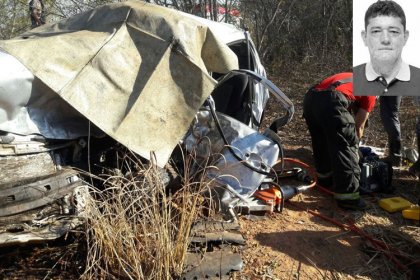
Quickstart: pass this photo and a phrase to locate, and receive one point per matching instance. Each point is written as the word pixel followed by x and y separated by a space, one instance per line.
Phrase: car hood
pixel 137 71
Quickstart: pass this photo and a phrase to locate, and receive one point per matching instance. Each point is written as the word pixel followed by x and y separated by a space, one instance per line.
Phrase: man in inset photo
pixel 386 73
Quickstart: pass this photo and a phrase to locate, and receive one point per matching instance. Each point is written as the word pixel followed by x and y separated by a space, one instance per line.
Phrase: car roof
pixel 226 32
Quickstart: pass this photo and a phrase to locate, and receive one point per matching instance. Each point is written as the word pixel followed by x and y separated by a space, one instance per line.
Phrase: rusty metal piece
pixel 45 223
pixel 208 226
pixel 17 199
pixel 210 265
pixel 222 237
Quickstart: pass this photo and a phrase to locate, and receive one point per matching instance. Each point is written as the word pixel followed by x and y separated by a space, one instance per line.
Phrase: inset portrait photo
pixel 386 44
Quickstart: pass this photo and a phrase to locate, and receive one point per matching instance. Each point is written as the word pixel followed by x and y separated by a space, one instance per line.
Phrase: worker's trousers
pixel 334 140
pixel 389 107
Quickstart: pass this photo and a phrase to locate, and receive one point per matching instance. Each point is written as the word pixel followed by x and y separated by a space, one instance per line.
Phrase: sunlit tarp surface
pixel 137 71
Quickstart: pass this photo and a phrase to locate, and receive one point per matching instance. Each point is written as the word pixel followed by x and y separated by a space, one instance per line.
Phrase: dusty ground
pixel 294 244
pixel 297 244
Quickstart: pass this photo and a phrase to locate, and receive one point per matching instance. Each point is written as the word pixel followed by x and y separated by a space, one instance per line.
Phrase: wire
pixel 307 167
pixel 88 155
pixel 390 252
pixel 229 146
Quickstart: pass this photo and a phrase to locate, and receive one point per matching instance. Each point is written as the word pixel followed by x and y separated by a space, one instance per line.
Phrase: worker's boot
pixel 395 156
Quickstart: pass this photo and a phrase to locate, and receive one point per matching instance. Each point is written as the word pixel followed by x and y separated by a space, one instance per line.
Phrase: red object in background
pixel 220 10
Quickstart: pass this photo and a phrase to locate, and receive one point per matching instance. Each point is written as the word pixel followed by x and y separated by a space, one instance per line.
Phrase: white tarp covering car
pixel 137 71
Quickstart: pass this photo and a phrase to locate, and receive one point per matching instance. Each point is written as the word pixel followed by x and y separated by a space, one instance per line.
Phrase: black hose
pixel 246 164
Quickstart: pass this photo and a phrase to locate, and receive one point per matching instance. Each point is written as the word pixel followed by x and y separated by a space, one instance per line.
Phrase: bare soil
pixel 298 244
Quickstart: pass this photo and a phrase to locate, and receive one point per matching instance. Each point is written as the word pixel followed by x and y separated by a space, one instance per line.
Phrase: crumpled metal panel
pixel 23 167
pixel 15 92
pixel 137 71
pixel 28 106
pixel 53 228
pixel 23 197
pixel 212 264
pixel 251 146
pixel 258 151
pixel 46 223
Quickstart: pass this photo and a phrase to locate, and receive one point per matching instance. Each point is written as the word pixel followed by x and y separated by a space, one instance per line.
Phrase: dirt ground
pixel 306 241
pixel 299 244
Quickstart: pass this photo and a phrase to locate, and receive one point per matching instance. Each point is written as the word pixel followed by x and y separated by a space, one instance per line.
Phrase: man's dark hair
pixel 385 8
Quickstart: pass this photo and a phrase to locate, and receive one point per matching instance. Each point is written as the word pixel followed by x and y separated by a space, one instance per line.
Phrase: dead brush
pixel 136 230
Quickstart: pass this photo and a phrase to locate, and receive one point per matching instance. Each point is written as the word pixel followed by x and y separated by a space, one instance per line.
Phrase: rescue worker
pixel 36 9
pixel 335 135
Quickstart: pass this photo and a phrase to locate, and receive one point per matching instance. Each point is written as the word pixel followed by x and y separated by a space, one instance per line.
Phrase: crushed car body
pixel 148 77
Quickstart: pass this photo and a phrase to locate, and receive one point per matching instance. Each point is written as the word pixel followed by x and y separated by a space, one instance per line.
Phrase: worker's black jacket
pixel 334 140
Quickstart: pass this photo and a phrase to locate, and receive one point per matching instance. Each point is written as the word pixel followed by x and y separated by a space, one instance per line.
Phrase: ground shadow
pixel 325 250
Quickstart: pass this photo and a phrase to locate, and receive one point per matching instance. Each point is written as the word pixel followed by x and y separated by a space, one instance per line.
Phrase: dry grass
pixel 136 230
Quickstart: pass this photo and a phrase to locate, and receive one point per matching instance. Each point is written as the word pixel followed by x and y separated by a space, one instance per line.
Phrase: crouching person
pixel 335 135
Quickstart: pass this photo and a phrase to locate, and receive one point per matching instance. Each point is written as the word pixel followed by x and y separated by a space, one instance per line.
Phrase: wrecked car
pixel 136 75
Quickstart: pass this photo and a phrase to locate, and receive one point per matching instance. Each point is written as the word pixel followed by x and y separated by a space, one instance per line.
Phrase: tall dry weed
pixel 136 230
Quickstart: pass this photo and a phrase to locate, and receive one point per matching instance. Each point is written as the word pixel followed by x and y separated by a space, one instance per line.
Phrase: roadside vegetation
pixel 136 227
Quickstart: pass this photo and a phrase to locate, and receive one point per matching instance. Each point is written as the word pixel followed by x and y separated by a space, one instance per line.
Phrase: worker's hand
pixel 360 120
